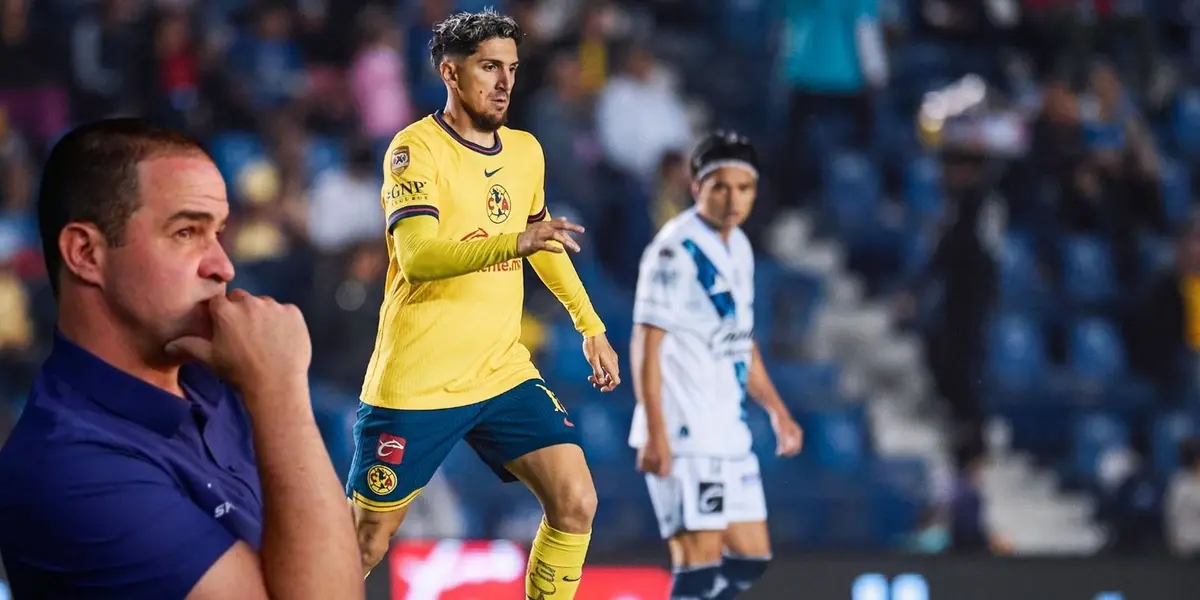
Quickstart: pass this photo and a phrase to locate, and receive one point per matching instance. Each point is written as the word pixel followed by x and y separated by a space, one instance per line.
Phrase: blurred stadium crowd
pixel 978 215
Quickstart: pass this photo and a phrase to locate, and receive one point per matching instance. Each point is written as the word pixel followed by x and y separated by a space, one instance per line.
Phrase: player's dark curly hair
pixel 461 34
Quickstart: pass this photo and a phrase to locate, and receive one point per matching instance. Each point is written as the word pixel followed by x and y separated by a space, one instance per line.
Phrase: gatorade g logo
pixel 712 498
pixel 873 586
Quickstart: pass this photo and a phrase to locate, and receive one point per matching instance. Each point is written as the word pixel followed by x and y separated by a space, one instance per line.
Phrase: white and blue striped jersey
pixel 700 290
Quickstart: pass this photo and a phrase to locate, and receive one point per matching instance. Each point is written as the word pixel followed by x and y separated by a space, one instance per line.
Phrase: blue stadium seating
pixel 232 150
pixel 1185 123
pixel 1168 430
pixel 852 195
pixel 335 413
pixel 1016 357
pixel 1021 287
pixel 1176 189
pixel 1089 278
pixel 838 439
pixel 1095 352
pixel 923 187
pixel 1093 435
pixel 324 153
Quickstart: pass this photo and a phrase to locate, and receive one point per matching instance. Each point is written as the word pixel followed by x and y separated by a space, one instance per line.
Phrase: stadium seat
pixel 1092 436
pixel 232 150
pixel 1095 352
pixel 1185 123
pixel 1021 288
pixel 323 154
pixel 335 413
pixel 923 187
pixel 1156 255
pixel 1176 189
pixel 1089 278
pixel 807 386
pixel 1168 430
pixel 1016 356
pixel 839 439
pixel 852 194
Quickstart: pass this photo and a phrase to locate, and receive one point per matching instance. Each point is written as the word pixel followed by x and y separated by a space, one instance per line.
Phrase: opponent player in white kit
pixel 695 364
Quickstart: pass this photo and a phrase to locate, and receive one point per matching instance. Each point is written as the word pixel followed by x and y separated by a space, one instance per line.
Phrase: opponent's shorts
pixel 397 451
pixel 704 493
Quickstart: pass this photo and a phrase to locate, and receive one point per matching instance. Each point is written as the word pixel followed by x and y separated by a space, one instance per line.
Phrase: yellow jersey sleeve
pixel 410 199
pixel 556 270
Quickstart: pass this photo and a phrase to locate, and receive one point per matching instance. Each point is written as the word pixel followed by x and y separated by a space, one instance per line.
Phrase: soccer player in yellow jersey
pixel 465 207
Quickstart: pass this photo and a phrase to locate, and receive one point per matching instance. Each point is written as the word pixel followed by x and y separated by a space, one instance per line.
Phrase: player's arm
pixel 558 274
pixel 658 305
pixel 762 390
pixel 410 199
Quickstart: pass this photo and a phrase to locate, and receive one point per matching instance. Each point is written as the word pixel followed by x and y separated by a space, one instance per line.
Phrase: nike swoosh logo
pixel 487 173
pixel 566 578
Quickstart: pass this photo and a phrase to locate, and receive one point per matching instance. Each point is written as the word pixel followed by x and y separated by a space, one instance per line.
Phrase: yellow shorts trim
pixel 377 506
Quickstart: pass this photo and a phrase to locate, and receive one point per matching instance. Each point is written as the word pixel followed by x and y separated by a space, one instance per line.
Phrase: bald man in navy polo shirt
pixel 168 449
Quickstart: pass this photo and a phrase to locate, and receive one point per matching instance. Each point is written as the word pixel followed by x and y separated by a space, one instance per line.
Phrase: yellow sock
pixel 555 564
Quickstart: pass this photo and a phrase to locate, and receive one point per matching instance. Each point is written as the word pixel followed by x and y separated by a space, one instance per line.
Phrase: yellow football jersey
pixel 453 341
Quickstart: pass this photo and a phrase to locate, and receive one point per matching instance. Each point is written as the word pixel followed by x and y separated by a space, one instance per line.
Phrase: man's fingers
pixel 236 295
pixel 563 224
pixel 191 348
pixel 566 240
pixel 612 368
pixel 546 246
pixel 597 369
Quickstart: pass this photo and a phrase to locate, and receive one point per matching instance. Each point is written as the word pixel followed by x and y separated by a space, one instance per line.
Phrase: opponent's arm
pixel 788 435
pixel 647 375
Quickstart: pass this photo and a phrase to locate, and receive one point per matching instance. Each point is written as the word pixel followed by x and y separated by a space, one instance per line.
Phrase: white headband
pixel 718 164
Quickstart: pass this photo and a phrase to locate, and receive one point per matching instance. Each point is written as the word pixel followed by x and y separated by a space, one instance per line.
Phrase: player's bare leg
pixel 559 476
pixel 375 531
pixel 747 553
pixel 696 557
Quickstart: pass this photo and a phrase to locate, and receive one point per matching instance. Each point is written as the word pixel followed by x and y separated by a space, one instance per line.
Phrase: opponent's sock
pixel 694 582
pixel 555 564
pixel 739 574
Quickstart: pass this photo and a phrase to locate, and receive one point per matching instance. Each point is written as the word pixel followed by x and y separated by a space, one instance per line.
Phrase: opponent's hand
pixel 541 236
pixel 655 457
pixel 789 438
pixel 606 373
pixel 256 342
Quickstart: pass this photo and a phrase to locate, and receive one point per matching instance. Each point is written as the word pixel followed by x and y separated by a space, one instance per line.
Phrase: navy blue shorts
pixel 397 451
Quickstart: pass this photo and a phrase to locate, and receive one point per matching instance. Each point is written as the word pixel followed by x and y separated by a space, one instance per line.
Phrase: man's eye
pixel 186 233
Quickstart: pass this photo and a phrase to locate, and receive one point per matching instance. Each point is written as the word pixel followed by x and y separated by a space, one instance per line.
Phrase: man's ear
pixel 84 250
pixel 449 71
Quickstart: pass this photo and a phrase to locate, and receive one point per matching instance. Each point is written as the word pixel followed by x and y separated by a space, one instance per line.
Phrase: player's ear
pixel 449 72
pixel 695 190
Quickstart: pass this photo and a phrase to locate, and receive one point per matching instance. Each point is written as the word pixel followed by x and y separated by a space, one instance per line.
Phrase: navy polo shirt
pixel 113 488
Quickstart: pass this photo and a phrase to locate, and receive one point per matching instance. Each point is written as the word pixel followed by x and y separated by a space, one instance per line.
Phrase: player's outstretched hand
pixel 606 372
pixel 551 236
pixel 255 341
pixel 655 457
pixel 789 438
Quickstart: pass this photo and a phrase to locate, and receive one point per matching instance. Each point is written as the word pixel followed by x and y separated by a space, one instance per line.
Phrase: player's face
pixel 485 82
pixel 726 196
pixel 171 261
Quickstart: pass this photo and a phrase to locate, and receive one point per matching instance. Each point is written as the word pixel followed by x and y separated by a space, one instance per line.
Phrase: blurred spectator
pixel 560 116
pixel 173 85
pixel 674 188
pixel 639 116
pixel 19 356
pixel 1130 504
pixel 30 83
pixel 1182 512
pixel 428 91
pixel 965 271
pixel 832 55
pixel 104 48
pixel 345 313
pixel 969 530
pixel 266 63
pixel 344 207
pixel 593 46
pixel 1163 330
pixel 378 79
pixel 1114 188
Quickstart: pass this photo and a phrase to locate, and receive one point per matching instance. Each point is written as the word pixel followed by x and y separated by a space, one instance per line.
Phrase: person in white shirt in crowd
pixel 695 365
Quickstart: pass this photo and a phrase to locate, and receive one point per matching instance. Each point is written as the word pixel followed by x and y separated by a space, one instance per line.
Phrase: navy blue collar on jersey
pixel 494 150
pixel 127 396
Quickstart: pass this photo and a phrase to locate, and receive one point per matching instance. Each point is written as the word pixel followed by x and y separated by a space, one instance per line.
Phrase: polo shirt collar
pixel 129 397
